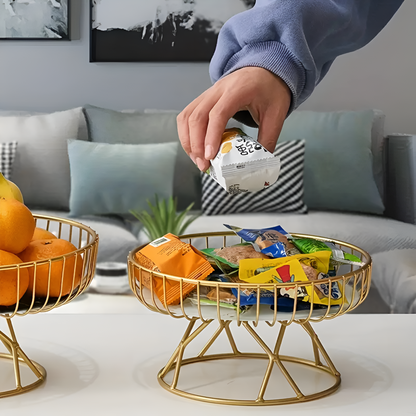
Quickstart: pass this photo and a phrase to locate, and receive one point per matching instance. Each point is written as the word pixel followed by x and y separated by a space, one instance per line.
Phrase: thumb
pixel 270 127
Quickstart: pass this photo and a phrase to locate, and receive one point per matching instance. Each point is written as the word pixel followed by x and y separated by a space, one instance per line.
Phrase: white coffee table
pixel 103 359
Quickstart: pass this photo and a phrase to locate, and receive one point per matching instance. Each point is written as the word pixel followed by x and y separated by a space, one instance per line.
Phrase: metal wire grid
pixel 86 242
pixel 354 284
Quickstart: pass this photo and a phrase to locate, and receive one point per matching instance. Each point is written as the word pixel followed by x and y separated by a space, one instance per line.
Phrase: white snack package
pixel 242 164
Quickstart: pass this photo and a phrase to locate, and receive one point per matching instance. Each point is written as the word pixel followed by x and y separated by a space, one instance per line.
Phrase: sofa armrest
pixel 400 180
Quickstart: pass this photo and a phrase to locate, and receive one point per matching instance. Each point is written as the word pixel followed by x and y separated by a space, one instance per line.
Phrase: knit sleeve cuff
pixel 275 57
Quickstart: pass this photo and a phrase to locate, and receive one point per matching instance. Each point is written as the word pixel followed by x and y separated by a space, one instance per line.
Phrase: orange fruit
pixel 16 225
pixel 10 278
pixel 63 279
pixel 41 234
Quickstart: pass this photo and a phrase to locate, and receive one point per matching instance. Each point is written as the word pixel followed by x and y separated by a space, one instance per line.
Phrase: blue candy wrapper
pixel 273 241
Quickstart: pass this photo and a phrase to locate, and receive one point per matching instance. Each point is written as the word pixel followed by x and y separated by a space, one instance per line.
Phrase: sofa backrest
pixel 190 175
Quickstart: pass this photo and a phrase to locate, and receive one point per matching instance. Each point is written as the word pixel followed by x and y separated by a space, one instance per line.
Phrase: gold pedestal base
pixel 176 362
pixel 18 357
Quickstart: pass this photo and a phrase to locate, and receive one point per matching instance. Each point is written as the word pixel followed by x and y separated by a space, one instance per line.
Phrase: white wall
pixel 51 75
pixel 47 76
pixel 381 75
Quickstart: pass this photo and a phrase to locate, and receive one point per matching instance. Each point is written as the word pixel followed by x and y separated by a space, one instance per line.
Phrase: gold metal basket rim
pixel 365 267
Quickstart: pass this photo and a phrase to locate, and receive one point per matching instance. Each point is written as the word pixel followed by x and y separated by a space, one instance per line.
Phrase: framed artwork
pixel 34 19
pixel 158 30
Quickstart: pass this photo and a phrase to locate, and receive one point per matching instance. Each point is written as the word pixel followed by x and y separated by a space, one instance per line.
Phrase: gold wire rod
pixel 172 359
pixel 217 292
pixel 181 350
pixel 6 341
pixel 256 322
pixel 198 297
pixel 16 355
pixel 70 235
pixel 16 367
pixel 215 335
pixel 308 328
pixel 275 359
pixel 231 339
pixel 279 339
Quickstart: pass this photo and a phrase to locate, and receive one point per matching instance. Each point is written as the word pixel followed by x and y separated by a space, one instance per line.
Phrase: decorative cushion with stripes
pixel 285 195
pixel 7 155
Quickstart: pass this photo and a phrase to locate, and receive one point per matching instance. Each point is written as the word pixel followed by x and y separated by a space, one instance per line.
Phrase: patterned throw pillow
pixel 7 155
pixel 285 195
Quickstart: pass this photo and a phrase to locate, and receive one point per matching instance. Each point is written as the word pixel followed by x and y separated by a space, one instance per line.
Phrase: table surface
pixel 102 354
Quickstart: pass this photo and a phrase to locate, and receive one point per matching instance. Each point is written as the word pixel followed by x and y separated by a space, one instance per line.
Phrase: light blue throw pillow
pixel 338 171
pixel 115 178
pixel 109 126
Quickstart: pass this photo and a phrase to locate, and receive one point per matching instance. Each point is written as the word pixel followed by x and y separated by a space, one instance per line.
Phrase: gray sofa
pixel 385 227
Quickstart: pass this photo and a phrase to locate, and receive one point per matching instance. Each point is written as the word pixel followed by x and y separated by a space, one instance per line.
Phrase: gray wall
pixel 48 76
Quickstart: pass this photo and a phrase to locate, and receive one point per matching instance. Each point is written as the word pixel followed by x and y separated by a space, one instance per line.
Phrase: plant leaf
pixel 187 223
pixel 162 218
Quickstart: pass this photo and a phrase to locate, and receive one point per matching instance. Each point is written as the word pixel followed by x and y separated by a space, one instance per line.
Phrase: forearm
pixel 298 40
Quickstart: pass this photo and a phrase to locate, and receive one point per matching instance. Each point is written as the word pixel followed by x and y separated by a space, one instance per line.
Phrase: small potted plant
pixel 163 218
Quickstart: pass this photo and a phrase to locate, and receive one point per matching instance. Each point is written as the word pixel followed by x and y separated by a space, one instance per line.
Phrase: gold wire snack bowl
pixel 352 280
pixel 75 272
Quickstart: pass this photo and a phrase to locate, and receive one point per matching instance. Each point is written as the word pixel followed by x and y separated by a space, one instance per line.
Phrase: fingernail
pixel 200 163
pixel 192 158
pixel 209 152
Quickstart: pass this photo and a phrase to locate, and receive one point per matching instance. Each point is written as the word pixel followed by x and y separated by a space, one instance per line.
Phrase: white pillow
pixel 41 166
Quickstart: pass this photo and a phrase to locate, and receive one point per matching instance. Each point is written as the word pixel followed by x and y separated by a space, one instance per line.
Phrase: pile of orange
pixel 21 242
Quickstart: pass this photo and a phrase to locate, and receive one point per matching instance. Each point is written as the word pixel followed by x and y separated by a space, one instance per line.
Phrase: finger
pixel 219 115
pixel 182 124
pixel 270 126
pixel 197 124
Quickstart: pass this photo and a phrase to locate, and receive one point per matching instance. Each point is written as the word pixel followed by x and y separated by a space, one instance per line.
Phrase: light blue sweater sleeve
pixel 298 40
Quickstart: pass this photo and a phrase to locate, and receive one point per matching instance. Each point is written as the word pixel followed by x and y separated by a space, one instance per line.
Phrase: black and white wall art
pixel 34 19
pixel 158 30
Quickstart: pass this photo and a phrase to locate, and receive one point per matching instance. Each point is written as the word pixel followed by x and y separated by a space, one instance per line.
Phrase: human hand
pixel 257 90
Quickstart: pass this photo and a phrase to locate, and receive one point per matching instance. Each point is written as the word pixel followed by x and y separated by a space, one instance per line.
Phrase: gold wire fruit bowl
pixel 352 280
pixel 61 279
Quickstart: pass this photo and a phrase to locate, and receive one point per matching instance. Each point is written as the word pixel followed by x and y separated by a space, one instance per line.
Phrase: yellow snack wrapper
pixel 298 268
pixel 250 267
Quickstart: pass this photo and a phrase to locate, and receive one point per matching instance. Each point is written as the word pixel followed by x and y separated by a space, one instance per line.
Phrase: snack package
pixel 310 245
pixel 294 269
pixel 209 296
pixel 274 241
pixel 242 164
pixel 248 297
pixel 169 255
pixel 318 261
pixel 227 258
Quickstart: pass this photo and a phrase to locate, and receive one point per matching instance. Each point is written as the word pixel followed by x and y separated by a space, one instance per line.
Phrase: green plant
pixel 163 218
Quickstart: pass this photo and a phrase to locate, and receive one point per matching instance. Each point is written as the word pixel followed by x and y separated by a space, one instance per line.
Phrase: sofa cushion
pixel 338 161
pixel 343 160
pixel 41 167
pixel 285 195
pixel 394 274
pixel 7 155
pixel 82 128
pixel 115 178
pixel 109 126
pixel 115 241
